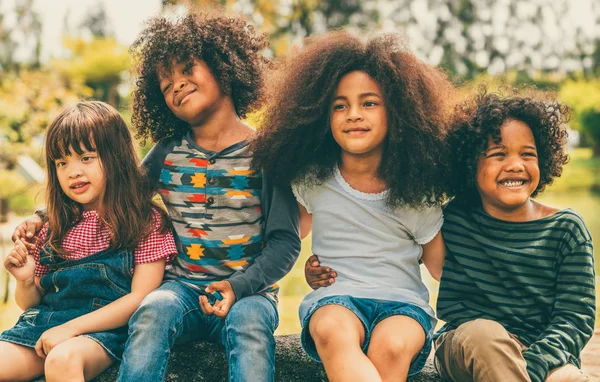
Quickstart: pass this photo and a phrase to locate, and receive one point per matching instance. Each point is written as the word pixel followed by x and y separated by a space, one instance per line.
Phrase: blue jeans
pixel 171 315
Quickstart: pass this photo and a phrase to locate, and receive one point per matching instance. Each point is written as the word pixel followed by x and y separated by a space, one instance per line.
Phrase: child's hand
pixel 317 276
pixel 27 230
pixel 220 307
pixel 52 337
pixel 20 263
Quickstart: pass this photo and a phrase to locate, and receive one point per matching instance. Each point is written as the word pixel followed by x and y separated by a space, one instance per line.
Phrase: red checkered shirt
pixel 90 236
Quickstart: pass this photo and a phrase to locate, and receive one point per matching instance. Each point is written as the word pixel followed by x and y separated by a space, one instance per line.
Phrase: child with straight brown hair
pixel 101 252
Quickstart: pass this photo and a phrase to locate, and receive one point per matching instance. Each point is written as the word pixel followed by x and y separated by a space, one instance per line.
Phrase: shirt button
pixel 211 200
pixel 211 180
pixel 212 161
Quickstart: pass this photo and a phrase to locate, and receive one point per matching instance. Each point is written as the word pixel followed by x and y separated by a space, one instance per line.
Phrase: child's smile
pixel 508 171
pixel 79 187
pixel 512 183
pixel 189 92
pixel 183 96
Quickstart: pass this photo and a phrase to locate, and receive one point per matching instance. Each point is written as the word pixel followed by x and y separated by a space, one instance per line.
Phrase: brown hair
pixel 295 142
pixel 127 205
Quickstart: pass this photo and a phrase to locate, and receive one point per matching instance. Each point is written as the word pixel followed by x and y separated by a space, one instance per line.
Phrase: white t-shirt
pixel 375 250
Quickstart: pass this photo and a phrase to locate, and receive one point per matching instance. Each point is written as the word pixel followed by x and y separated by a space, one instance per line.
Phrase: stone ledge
pixel 206 362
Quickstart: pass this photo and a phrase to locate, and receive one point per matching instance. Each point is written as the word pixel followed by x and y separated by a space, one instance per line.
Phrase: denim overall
pixel 74 288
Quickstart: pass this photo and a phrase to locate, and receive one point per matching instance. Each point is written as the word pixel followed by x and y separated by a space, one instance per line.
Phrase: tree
pixel 99 64
pixel 26 31
pixel 28 101
pixel 96 22
pixel 584 98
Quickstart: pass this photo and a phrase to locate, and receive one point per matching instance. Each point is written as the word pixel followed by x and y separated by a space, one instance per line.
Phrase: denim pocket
pixel 29 317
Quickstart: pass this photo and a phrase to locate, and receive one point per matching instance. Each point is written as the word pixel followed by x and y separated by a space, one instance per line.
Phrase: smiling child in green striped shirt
pixel 517 288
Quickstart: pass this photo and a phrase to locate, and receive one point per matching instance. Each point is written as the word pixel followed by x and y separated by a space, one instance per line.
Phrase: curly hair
pixel 295 142
pixel 482 116
pixel 230 47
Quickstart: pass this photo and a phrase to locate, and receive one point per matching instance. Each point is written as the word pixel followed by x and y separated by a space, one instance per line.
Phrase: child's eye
pixel 496 154
pixel 164 90
pixel 87 158
pixel 60 163
pixel 370 103
pixel 530 155
pixel 338 107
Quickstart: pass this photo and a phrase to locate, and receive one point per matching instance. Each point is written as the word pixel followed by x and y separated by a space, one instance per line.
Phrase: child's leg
pixel 395 342
pixel 338 335
pixel 168 314
pixel 480 350
pixel 19 363
pixel 567 373
pixel 248 336
pixel 76 359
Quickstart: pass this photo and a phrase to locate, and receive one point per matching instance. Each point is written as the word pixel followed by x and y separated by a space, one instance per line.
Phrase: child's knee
pixel 253 314
pixel 483 338
pixel 62 359
pixel 328 329
pixel 156 309
pixel 480 331
pixel 396 348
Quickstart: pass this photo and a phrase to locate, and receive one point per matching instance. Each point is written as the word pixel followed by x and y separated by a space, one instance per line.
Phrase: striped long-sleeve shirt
pixel 535 278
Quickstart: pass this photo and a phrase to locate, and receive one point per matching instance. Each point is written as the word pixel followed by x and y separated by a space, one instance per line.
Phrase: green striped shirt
pixel 535 278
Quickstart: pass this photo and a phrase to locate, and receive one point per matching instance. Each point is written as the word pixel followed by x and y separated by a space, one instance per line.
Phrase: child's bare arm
pixel 21 265
pixel 434 254
pixel 146 278
pixel 305 221
pixel 317 276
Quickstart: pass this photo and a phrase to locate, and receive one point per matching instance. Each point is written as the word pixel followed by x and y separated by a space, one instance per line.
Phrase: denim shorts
pixel 371 312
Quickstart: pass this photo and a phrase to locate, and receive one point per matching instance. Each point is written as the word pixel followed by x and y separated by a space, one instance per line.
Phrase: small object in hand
pixel 217 295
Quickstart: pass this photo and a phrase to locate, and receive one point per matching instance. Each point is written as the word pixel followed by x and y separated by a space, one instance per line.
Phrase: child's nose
pixel 514 164
pixel 75 172
pixel 179 86
pixel 353 115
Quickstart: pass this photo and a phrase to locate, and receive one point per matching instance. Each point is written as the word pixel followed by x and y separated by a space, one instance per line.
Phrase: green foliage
pixel 590 122
pixel 99 64
pixel 581 174
pixel 583 96
pixel 28 101
pixel 22 197
pixel 25 203
pixel 12 183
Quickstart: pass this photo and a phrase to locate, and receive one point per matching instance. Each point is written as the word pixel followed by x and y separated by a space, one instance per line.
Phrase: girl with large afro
pixel 358 129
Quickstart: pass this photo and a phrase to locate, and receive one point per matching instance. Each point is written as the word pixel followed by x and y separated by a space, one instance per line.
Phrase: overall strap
pixel 48 256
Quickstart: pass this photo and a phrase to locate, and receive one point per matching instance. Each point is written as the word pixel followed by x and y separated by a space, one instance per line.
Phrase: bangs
pixel 71 133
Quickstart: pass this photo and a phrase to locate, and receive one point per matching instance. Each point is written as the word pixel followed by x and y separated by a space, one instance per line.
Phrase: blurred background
pixel 54 52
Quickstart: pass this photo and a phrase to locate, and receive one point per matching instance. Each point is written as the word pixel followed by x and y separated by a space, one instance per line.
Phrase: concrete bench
pixel 206 362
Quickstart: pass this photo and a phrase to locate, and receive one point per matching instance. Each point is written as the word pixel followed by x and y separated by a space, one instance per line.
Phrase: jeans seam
pixel 180 324
pixel 228 351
